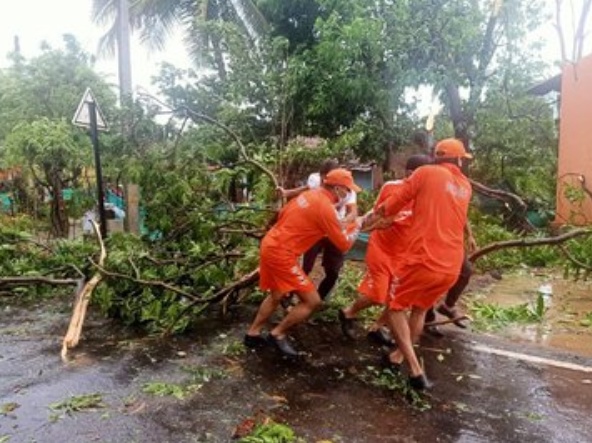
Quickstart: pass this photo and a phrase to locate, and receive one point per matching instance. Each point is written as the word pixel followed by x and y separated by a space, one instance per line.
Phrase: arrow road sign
pixel 82 116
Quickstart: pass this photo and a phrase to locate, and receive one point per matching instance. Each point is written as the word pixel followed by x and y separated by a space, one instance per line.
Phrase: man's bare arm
pixel 289 193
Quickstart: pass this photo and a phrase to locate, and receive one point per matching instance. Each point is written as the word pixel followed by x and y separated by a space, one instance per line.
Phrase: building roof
pixel 543 88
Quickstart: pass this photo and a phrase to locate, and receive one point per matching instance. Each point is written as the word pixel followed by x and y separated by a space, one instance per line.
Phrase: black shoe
pixel 434 331
pixel 453 313
pixel 381 337
pixel 347 325
pixel 448 312
pixel 420 383
pixel 387 363
pixel 255 341
pixel 283 345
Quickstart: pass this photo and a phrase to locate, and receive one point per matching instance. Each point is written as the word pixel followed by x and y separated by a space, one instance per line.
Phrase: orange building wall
pixel 574 206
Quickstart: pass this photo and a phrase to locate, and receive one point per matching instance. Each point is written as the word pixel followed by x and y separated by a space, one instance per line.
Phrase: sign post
pixel 89 115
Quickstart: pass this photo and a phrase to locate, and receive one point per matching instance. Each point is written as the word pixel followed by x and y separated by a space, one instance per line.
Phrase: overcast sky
pixel 37 20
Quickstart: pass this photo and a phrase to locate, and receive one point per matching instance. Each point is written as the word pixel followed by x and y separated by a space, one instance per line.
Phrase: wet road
pixel 487 389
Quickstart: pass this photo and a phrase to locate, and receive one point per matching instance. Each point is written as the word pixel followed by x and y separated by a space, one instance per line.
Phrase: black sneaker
pixel 254 341
pixel 347 325
pixel 283 345
pixel 448 312
pixel 387 363
pixel 381 337
pixel 420 382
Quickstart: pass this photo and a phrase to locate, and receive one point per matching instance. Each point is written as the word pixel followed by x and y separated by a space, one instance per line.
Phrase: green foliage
pixel 198 376
pixel 492 316
pixel 48 145
pixel 161 389
pixel 49 85
pixel 510 151
pixel 344 293
pixel 579 265
pixel 234 348
pixel 55 157
pixel 203 374
pixel 270 433
pixel 38 98
pixel 21 254
pixel 79 403
pixel 488 229
pixel 366 201
pixel 395 382
pixel 587 320
pixel 7 408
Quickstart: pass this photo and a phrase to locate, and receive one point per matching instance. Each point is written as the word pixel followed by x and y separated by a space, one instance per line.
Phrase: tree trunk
pixel 459 120
pixel 58 216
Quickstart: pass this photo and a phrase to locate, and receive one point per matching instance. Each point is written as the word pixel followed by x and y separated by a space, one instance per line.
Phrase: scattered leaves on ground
pixel 78 403
pixel 7 408
pixel 162 389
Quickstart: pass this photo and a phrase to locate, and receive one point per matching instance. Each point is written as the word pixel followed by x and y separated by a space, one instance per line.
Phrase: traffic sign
pixel 82 116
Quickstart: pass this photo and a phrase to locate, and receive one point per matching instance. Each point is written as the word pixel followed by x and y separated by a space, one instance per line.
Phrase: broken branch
pixel 524 242
pixel 72 336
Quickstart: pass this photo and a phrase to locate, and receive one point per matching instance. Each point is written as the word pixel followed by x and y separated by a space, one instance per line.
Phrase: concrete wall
pixel 574 205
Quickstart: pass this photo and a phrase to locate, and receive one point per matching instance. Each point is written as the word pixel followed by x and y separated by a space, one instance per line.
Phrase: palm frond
pixel 104 11
pixel 108 42
pixel 251 18
pixel 156 19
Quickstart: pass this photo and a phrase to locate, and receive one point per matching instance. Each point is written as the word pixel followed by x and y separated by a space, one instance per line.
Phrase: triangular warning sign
pixel 82 115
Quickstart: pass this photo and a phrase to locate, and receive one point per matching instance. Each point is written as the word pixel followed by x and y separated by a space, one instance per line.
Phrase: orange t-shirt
pixel 392 240
pixel 440 195
pixel 305 220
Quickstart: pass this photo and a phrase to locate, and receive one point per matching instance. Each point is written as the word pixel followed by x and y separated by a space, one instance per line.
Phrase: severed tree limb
pixel 163 284
pixel 524 242
pixel 35 280
pixel 219 296
pixel 498 194
pixel 254 233
pixel 140 281
pixel 72 336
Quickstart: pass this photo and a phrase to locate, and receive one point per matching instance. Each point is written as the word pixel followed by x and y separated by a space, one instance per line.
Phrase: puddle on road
pixel 569 308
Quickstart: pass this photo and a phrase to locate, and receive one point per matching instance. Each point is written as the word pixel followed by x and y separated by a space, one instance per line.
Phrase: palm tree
pixel 156 19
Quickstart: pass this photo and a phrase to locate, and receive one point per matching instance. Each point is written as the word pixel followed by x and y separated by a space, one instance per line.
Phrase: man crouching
pixel 302 222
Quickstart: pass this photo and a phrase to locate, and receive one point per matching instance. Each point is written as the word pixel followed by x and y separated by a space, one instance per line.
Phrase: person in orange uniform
pixel 386 244
pixel 435 247
pixel 302 222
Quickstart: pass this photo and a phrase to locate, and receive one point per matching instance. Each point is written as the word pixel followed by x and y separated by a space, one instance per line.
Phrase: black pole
pixel 94 136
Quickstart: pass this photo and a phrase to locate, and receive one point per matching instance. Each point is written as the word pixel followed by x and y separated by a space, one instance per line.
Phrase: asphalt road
pixel 487 389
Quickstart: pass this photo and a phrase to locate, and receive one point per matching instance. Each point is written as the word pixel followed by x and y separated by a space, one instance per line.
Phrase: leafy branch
pixel 196 116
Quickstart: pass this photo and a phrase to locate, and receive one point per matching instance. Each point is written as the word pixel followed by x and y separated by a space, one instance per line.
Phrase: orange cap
pixel 341 177
pixel 451 148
